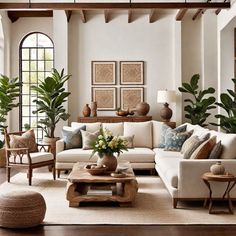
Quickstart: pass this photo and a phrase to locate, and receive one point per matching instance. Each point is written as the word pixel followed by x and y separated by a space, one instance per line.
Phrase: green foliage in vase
pixel 228 104
pixel 50 100
pixel 9 92
pixel 197 110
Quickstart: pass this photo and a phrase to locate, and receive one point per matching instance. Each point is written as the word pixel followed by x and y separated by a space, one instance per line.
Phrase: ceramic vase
pixel 94 109
pixel 142 108
pixel 86 111
pixel 217 169
pixel 109 161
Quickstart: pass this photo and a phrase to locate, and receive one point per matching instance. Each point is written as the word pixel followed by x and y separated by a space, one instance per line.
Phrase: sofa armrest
pixel 60 146
pixel 190 184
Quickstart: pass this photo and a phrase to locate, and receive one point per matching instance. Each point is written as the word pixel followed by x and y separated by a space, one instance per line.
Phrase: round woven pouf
pixel 21 209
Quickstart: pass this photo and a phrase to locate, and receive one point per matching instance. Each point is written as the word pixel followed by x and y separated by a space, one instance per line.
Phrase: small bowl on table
pixel 94 169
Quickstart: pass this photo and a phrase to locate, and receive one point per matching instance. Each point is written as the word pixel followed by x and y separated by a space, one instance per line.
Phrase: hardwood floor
pixel 119 230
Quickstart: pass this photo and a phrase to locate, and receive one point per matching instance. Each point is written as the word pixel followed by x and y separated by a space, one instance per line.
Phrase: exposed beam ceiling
pixel 83 16
pixel 198 12
pixel 95 6
pixel 180 14
pixel 15 15
pixel 68 15
pixel 129 16
pixel 152 16
pixel 219 9
pixel 106 15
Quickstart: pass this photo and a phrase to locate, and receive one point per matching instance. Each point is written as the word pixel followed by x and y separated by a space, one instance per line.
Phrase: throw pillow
pixel 165 129
pixel 73 138
pixel 174 140
pixel 204 150
pixel 26 140
pixel 88 138
pixel 216 151
pixel 130 141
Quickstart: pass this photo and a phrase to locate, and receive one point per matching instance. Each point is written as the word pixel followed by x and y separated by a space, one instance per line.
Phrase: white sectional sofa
pixel 182 177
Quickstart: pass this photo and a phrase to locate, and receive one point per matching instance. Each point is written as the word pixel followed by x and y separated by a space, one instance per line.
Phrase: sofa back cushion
pixel 142 132
pixel 117 129
pixel 156 132
pixel 90 127
pixel 228 142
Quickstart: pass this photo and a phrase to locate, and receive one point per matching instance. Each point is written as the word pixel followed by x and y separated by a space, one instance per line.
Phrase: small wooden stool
pixel 21 209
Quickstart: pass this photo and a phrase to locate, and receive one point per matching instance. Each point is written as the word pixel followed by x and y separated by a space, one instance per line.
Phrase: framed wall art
pixel 105 98
pixel 131 72
pixel 103 72
pixel 130 97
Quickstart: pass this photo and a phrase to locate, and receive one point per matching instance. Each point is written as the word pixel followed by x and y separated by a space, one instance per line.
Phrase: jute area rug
pixel 153 205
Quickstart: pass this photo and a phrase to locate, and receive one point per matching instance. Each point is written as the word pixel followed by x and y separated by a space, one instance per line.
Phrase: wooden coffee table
pixel 83 187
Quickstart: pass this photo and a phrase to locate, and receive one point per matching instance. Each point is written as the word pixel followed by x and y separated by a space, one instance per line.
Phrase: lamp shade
pixel 166 96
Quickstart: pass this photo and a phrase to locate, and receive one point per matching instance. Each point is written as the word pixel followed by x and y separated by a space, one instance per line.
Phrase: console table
pixel 114 119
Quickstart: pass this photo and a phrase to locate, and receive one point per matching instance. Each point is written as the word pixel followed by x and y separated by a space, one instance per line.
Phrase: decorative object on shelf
pixel 198 107
pixel 132 72
pixel 166 97
pixel 218 168
pixel 103 72
pixel 227 121
pixel 86 111
pixel 142 108
pixel 121 112
pixel 106 145
pixel 93 109
pixel 95 169
pixel 130 97
pixel 105 98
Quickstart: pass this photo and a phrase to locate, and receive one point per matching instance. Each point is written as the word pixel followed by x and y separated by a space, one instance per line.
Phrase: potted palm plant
pixel 51 97
pixel 9 92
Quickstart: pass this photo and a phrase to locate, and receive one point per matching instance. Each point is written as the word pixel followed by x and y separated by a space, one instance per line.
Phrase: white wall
pixel 118 40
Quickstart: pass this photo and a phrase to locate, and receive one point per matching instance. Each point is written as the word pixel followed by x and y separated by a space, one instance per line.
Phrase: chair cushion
pixel 26 140
pixel 117 129
pixel 142 132
pixel 91 127
pixel 36 157
pixel 138 155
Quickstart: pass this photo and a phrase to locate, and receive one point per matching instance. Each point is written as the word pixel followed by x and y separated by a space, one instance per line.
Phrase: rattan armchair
pixel 22 158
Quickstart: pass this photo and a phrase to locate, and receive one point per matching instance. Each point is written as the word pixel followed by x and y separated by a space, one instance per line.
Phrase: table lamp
pixel 166 97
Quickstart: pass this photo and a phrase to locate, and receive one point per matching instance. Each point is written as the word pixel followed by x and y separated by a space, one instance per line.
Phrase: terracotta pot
pixel 2 157
pixel 52 142
pixel 93 109
pixel 109 161
pixel 142 108
pixel 86 111
pixel 217 169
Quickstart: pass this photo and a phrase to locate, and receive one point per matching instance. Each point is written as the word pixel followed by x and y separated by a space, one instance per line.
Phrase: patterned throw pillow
pixel 88 138
pixel 26 140
pixel 164 131
pixel 130 140
pixel 175 140
pixel 204 150
pixel 216 151
pixel 73 138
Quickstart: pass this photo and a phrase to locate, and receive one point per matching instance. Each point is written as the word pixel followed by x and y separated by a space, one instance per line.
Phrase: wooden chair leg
pixel 30 176
pixel 58 173
pixel 54 172
pixel 175 202
pixel 8 174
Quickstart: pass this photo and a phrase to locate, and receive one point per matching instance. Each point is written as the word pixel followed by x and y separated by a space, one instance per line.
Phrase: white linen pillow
pixel 117 129
pixel 90 127
pixel 142 132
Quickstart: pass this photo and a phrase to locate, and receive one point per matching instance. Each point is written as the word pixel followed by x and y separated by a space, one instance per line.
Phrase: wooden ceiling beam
pixel 180 14
pixel 129 16
pixel 83 16
pixel 106 15
pixel 15 15
pixel 68 15
pixel 95 6
pixel 219 9
pixel 198 12
pixel 152 16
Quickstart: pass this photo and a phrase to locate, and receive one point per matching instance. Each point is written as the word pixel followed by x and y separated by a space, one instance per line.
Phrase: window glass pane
pixel 26 89
pixel 40 65
pixel 41 76
pixel 34 121
pixel 33 66
pixel 32 98
pixel 48 54
pixel 25 110
pixel 49 65
pixel 48 74
pixel 25 65
pixel 30 41
pixel 44 41
pixel 40 54
pixel 33 54
pixel 33 77
pixel 25 77
pixel 25 100
pixel 25 54
pixel 25 120
pixel 32 109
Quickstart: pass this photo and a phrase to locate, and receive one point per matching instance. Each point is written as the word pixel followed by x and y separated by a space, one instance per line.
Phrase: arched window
pixel 36 62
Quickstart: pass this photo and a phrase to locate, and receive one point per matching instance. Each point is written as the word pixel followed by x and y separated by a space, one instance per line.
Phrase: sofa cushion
pixel 76 155
pixel 228 142
pixel 130 141
pixel 142 132
pixel 138 155
pixel 160 153
pixel 91 127
pixel 216 151
pixel 88 138
pixel 72 138
pixel 117 129
pixel 156 132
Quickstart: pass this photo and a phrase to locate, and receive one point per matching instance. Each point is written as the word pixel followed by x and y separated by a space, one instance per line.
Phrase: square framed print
pixel 130 97
pixel 105 98
pixel 103 72
pixel 131 72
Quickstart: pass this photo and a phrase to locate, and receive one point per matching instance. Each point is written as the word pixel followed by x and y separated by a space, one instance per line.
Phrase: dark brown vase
pixel 86 111
pixel 142 108
pixel 109 161
pixel 93 109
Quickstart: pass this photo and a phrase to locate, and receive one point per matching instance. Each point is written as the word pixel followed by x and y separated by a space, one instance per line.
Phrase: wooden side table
pixel 227 178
